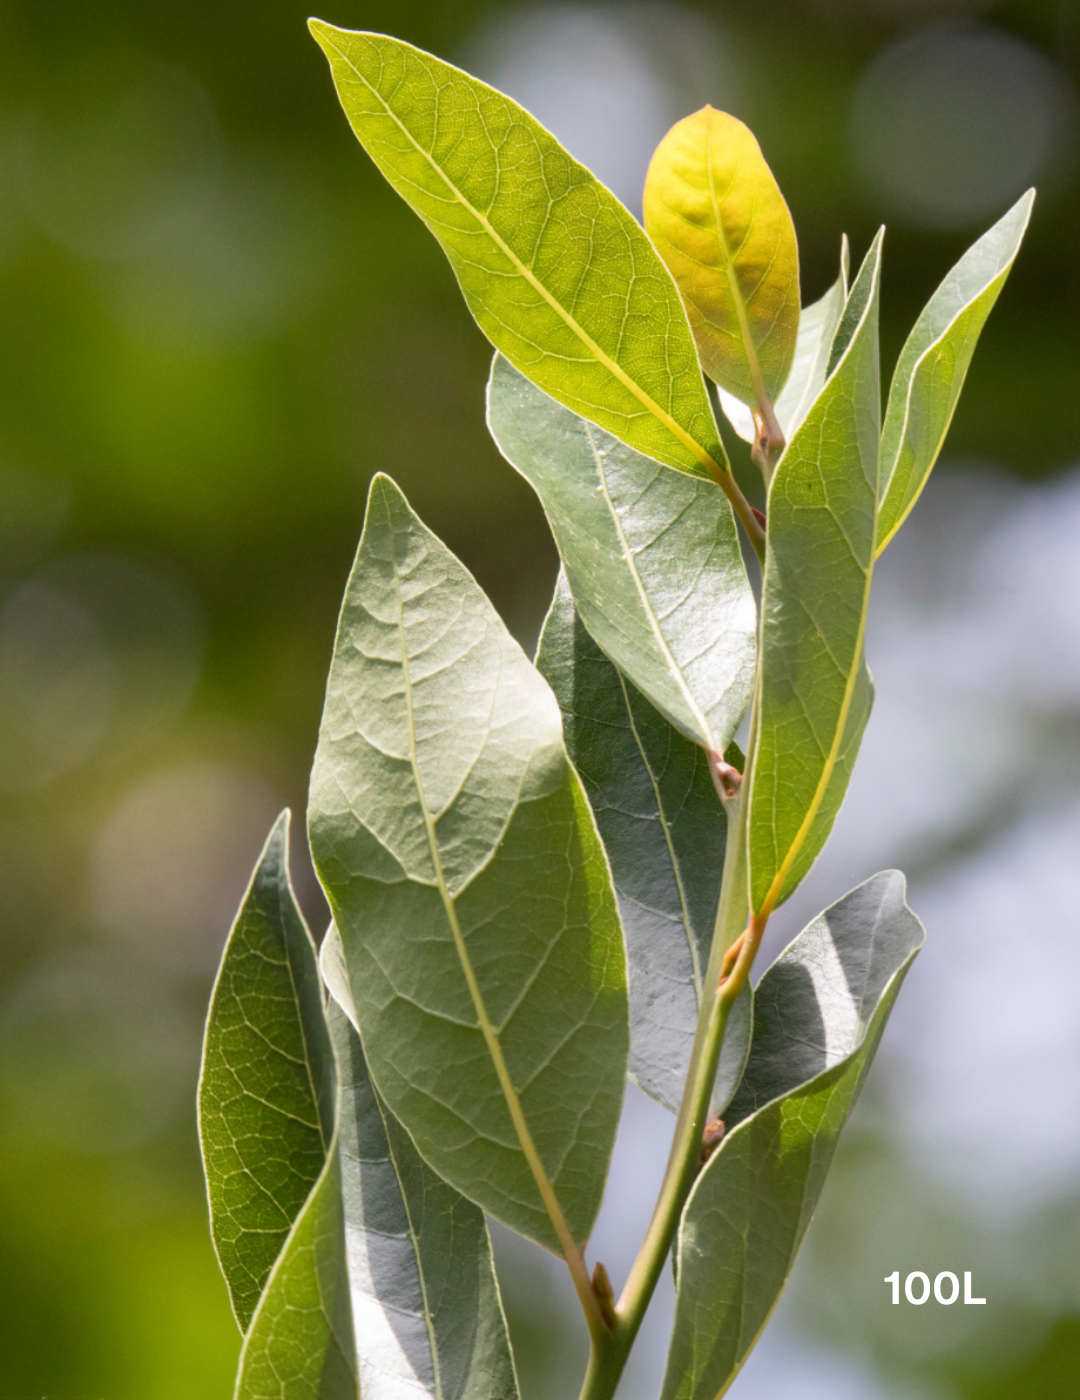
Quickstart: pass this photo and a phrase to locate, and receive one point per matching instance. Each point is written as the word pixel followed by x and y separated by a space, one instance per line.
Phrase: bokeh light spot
pixel 952 123
pixel 608 80
pixel 170 864
pixel 119 155
pixel 91 1059
pixel 96 653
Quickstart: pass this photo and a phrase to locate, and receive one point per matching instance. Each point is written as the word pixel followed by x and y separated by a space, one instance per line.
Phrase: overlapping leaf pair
pixel 524 864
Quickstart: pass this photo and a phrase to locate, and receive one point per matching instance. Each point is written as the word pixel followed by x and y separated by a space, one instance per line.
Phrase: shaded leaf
pixel 266 1091
pixel 816 690
pixel 934 362
pixel 664 830
pixel 469 886
pixel 651 557
pixel 817 327
pixel 819 1014
pixel 386 1289
pixel 560 277
pixel 719 221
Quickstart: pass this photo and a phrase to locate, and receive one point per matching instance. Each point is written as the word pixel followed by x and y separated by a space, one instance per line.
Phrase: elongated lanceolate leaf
pixel 559 276
pixel 817 326
pixel 469 886
pixel 933 364
pixel 819 1014
pixel 266 1093
pixel 719 221
pixel 664 830
pixel 651 557
pixel 815 688
pixel 386 1289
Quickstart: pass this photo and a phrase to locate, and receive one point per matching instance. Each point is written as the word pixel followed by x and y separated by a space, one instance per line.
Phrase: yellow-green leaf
pixel 815 689
pixel 559 275
pixel 719 221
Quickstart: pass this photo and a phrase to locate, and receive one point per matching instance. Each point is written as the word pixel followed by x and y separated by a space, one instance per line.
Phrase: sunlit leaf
pixel 816 690
pixel 819 1014
pixel 719 221
pixel 664 830
pixel 933 364
pixel 469 886
pixel 266 1093
pixel 651 557
pixel 560 277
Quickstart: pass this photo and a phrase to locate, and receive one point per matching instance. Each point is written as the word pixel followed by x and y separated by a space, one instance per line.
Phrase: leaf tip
pixel 277 843
pixel 384 487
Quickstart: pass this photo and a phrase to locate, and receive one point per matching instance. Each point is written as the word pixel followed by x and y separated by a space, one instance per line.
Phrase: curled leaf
pixel 934 362
pixel 266 1093
pixel 819 1014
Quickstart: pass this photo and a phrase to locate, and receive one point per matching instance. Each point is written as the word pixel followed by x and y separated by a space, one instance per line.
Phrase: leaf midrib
pixel 612 366
pixel 487 1030
pixel 643 597
pixel 776 887
pixel 749 348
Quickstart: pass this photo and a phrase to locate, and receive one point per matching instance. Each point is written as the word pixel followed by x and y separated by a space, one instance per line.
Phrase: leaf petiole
pixel 755 531
pixel 769 440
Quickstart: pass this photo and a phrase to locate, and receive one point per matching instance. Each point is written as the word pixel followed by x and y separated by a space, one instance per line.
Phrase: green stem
pixel 609 1353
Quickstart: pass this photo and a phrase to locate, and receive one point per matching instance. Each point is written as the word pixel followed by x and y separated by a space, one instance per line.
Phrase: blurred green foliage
pixel 217 323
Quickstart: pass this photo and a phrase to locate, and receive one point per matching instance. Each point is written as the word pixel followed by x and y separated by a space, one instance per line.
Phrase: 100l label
pixel 946 1288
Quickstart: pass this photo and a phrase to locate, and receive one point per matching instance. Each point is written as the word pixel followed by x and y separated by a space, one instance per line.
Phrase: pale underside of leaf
pixel 651 556
pixel 267 1083
pixel 664 830
pixel 932 366
pixel 558 274
pixel 470 888
pixel 815 688
pixel 386 1288
pixel 817 326
pixel 820 1012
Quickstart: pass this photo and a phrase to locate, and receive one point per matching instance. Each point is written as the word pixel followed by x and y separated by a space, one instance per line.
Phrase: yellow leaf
pixel 719 221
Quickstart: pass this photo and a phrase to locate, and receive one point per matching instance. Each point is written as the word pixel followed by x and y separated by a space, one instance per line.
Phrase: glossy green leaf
pixel 719 221
pixel 816 690
pixel 386 1288
pixel 819 1014
pixel 664 831
pixel 651 557
pixel 560 277
pixel 266 1092
pixel 933 364
pixel 469 886
pixel 817 327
